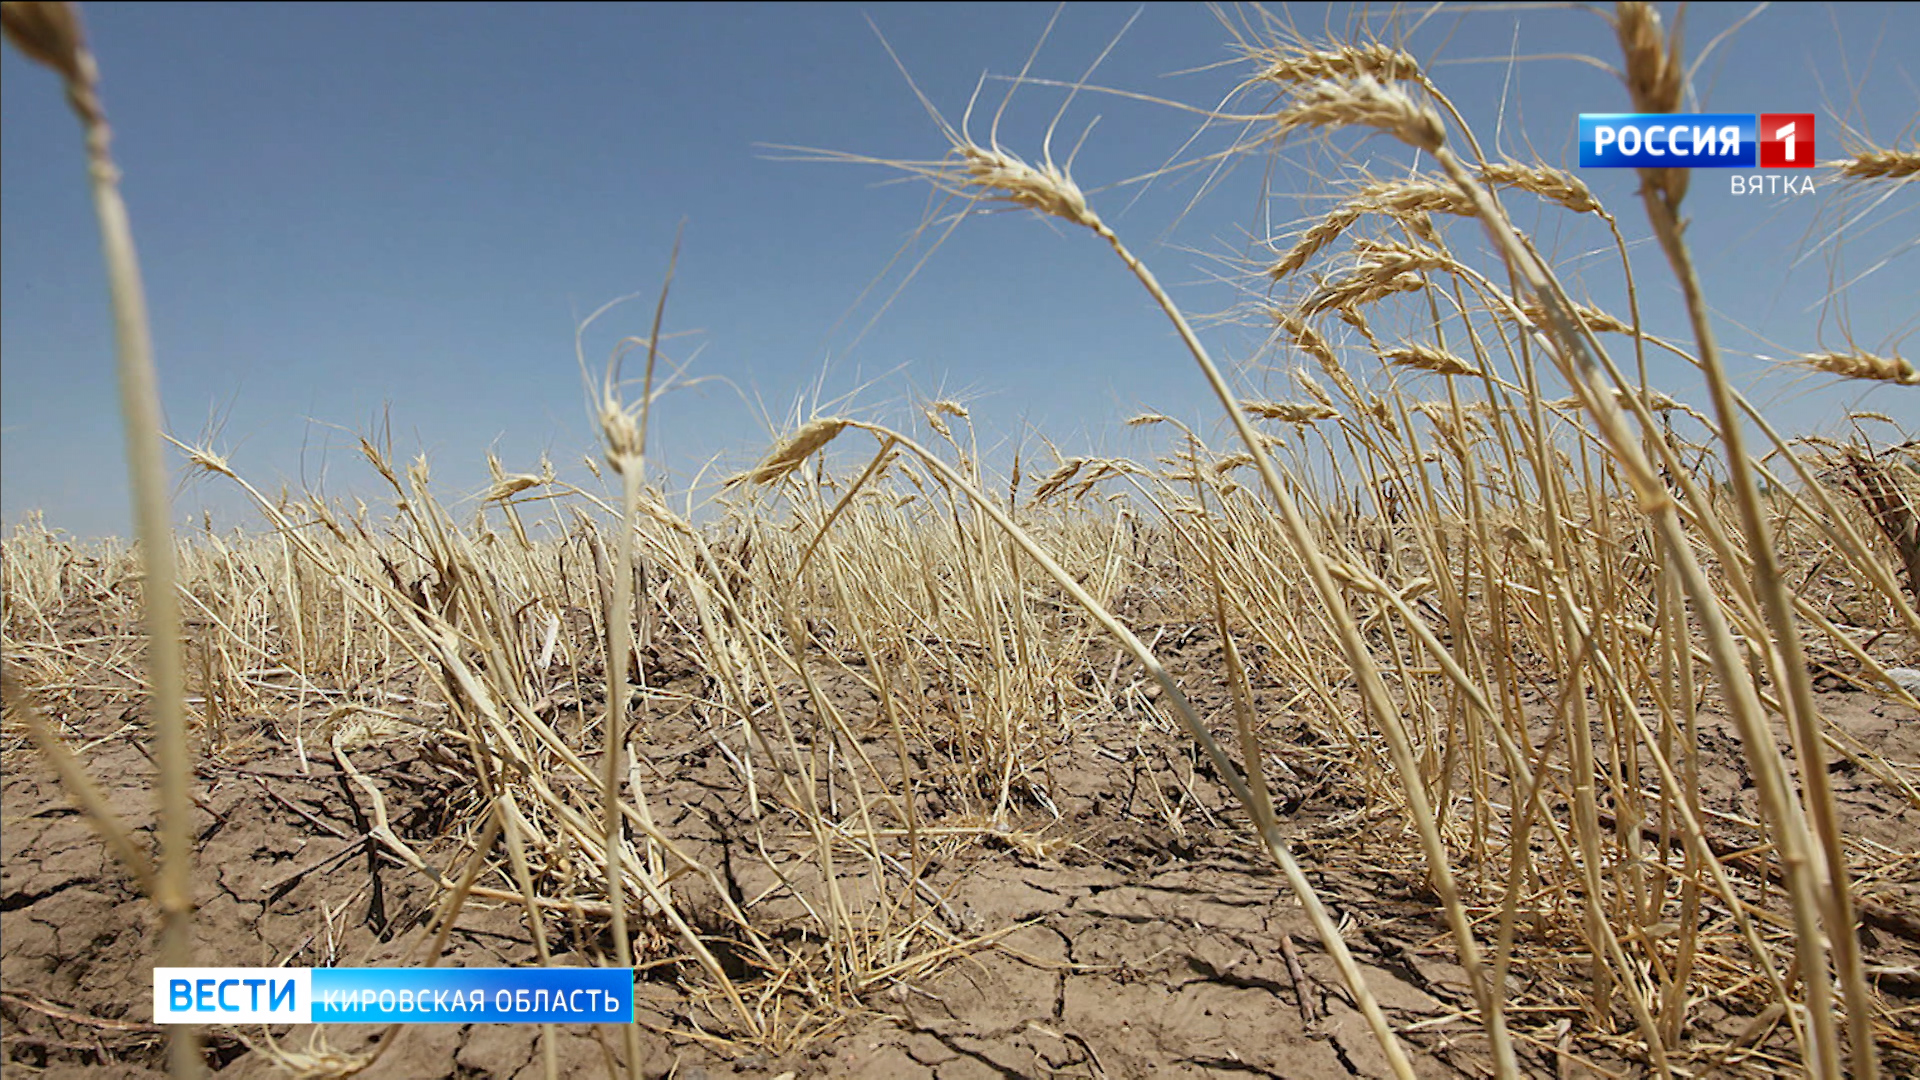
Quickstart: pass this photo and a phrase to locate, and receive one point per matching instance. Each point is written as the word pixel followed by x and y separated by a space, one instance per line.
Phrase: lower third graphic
pixel 386 995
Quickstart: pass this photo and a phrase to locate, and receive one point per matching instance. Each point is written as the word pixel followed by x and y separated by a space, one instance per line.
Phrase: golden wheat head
pixel 1291 412
pixel 1363 101
pixel 1864 365
pixel 1878 165
pixel 1427 358
pixel 790 454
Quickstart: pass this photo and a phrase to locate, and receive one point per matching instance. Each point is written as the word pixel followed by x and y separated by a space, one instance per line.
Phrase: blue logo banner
pixel 473 995
pixel 1668 140
pixel 555 995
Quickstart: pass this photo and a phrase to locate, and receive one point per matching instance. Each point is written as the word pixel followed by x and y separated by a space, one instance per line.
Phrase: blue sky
pixel 341 208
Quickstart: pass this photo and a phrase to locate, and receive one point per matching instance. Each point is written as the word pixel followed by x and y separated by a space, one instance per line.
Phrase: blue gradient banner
pixel 1668 140
pixel 393 995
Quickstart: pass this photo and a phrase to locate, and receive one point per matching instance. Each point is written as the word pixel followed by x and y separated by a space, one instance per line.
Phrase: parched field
pixel 1091 905
pixel 1478 708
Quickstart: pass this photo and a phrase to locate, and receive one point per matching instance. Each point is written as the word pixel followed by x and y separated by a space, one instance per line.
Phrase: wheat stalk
pixel 1654 76
pixel 51 33
pixel 1655 79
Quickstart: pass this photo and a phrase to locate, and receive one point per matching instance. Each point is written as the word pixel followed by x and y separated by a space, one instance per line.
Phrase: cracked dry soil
pixel 1152 941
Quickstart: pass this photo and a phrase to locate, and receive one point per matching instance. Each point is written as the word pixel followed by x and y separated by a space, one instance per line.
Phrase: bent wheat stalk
pixel 1640 25
pixel 51 33
pixel 1802 715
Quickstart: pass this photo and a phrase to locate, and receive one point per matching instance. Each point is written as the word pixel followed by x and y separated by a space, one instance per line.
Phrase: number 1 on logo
pixel 1780 139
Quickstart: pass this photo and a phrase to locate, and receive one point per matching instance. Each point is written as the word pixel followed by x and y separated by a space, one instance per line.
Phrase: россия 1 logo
pixel 1703 141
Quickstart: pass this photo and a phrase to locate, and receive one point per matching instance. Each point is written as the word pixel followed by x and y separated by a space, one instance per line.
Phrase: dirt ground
pixel 1140 934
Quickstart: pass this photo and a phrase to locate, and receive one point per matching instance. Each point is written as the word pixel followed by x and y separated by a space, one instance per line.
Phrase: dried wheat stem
pixel 1654 74
pixel 1655 79
pixel 1831 883
pixel 623 429
pixel 51 33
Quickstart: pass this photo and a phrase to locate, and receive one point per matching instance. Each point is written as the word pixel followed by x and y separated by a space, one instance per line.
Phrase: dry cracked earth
pixel 1137 935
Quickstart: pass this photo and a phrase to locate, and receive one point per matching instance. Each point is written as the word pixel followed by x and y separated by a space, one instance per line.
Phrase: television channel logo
pixel 1697 140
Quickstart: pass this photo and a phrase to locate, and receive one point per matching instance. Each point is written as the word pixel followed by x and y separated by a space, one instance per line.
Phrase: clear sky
pixel 343 207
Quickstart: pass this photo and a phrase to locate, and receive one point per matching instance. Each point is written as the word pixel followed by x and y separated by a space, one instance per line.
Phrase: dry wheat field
pixel 1478 709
